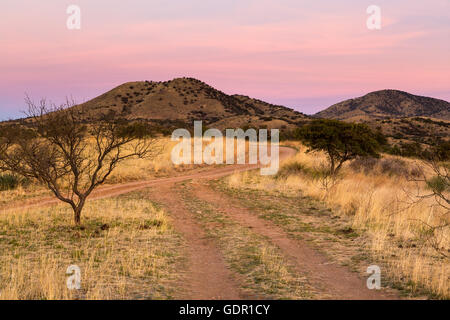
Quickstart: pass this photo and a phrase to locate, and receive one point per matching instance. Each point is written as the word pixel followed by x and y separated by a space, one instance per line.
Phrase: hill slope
pixel 183 100
pixel 387 104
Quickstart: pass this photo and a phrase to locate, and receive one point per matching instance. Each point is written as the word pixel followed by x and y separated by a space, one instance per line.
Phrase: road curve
pixel 118 189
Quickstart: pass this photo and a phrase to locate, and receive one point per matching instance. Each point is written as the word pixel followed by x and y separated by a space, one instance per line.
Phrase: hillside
pixel 412 123
pixel 181 101
pixel 386 104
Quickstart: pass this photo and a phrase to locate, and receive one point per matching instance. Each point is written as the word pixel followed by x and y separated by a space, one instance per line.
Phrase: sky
pixel 304 54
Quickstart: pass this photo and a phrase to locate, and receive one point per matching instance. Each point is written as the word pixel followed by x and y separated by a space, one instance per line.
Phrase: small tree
pixel 71 157
pixel 341 141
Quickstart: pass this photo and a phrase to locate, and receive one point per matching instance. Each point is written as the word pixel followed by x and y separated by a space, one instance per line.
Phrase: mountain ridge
pixel 387 103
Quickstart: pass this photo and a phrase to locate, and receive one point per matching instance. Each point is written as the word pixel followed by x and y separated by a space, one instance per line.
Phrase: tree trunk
pixel 77 211
pixel 332 166
pixel 338 167
pixel 77 216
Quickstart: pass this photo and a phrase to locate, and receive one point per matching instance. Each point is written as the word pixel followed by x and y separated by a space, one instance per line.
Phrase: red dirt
pixel 207 276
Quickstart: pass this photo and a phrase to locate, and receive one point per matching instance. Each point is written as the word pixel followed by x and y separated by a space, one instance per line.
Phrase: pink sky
pixel 304 54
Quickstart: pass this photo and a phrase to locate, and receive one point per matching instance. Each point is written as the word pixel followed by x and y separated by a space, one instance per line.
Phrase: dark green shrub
pixel 8 182
pixel 438 184
pixel 341 141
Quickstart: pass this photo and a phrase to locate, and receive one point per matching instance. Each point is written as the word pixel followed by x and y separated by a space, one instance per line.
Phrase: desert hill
pixel 386 104
pixel 181 101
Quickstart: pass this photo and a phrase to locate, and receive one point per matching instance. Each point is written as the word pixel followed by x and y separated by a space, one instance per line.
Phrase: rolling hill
pixel 181 101
pixel 385 104
pixel 411 123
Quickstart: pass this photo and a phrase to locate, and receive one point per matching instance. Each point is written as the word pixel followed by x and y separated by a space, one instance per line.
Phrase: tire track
pixel 334 281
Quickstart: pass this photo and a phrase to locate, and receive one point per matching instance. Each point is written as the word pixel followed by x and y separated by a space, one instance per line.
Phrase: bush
pixel 438 184
pixel 8 182
pixel 394 167
pixel 416 172
pixel 363 164
pixel 441 151
pixel 297 168
pixel 291 168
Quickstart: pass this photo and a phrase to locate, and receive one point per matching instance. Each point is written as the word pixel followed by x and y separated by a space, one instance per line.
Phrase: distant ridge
pixel 167 105
pixel 385 104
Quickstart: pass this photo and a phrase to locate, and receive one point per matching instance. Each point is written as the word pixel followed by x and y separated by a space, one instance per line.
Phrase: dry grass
pixel 143 169
pixel 132 169
pixel 129 170
pixel 136 254
pixel 378 205
pixel 161 165
pixel 126 249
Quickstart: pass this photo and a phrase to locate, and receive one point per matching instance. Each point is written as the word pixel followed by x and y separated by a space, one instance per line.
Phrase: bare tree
pixel 57 146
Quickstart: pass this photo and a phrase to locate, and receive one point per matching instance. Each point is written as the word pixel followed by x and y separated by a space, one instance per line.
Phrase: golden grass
pixel 126 249
pixel 378 205
pixel 133 169
pixel 136 256
pixel 142 169
pixel 161 165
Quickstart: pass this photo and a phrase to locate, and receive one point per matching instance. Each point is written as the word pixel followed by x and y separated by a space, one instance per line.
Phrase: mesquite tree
pixel 70 156
pixel 341 141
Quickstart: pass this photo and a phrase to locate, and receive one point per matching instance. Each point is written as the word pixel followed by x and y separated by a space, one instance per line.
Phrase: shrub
pixel 291 168
pixel 341 141
pixel 441 151
pixel 416 172
pixel 438 184
pixel 297 168
pixel 8 182
pixel 394 167
pixel 363 164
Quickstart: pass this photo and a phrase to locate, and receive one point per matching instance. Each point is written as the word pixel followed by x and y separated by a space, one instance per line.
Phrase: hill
pixel 181 101
pixel 387 104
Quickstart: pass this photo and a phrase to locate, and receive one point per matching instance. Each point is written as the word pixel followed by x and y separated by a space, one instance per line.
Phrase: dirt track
pixel 207 276
pixel 116 190
pixel 330 280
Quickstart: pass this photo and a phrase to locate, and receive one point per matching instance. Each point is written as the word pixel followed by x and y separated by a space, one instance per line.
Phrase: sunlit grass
pixel 379 205
pixel 126 249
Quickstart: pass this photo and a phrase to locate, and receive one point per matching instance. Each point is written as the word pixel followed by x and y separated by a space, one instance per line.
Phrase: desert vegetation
pixel 126 249
pixel 340 141
pixel 397 207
